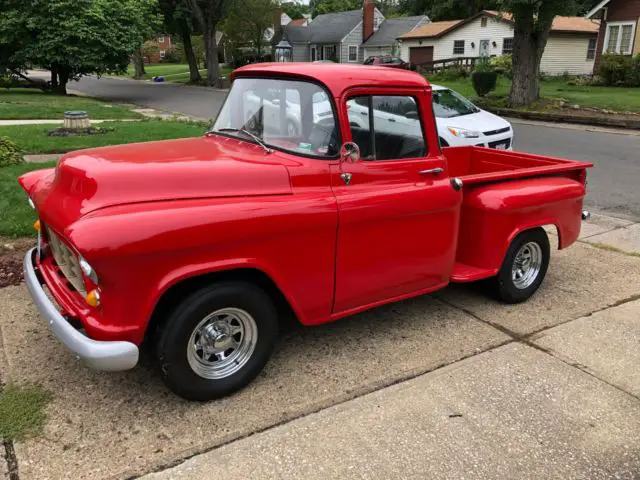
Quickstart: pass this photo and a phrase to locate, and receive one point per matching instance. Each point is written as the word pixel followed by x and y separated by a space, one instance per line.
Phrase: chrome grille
pixel 67 262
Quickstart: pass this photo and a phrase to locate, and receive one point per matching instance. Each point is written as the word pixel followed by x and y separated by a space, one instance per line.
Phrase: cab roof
pixel 336 77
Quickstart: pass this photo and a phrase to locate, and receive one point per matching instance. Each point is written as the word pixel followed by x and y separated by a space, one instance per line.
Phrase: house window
pixel 591 49
pixel 458 47
pixel 329 53
pixel 619 37
pixel 161 53
pixel 353 53
pixel 160 39
pixel 483 22
pixel 507 46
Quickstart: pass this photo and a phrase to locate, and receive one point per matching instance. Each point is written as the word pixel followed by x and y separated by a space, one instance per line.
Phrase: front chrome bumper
pixel 107 356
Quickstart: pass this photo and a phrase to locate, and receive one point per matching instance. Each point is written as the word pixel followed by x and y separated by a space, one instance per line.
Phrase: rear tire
pixel 524 267
pixel 217 340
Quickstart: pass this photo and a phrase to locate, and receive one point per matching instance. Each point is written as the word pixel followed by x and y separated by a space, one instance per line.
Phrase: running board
pixel 463 273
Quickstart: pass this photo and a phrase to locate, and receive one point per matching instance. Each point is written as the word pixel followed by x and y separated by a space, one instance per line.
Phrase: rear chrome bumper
pixel 586 215
pixel 107 356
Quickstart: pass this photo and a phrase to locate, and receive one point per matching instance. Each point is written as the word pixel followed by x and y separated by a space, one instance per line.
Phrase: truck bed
pixel 476 165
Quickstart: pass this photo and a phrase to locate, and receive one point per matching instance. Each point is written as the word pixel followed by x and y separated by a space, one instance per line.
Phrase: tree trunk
pixel 529 41
pixel 138 65
pixel 194 74
pixel 213 68
pixel 63 76
pixel 54 78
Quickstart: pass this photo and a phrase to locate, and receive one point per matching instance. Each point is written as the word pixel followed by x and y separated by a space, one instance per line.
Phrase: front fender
pixel 494 214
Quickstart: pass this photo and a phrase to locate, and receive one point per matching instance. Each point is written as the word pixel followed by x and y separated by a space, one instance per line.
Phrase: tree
pixel 73 38
pixel 532 25
pixel 150 48
pixel 248 20
pixel 295 9
pixel 439 10
pixel 178 20
pixel 319 7
pixel 209 13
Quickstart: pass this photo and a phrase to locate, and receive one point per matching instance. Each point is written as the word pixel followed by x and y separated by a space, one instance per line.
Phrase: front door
pixel 484 48
pixel 398 214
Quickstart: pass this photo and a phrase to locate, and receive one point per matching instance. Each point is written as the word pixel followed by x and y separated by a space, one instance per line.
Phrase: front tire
pixel 217 340
pixel 524 267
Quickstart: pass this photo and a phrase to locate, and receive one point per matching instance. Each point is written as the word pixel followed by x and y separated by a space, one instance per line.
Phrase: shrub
pixel 620 70
pixel 174 55
pixel 483 64
pixel 503 65
pixel 10 153
pixel 452 73
pixel 484 82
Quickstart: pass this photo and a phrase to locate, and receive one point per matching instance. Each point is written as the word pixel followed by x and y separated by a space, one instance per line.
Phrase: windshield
pixel 295 116
pixel 448 104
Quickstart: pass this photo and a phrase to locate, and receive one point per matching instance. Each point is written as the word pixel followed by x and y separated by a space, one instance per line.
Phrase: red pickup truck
pixel 200 245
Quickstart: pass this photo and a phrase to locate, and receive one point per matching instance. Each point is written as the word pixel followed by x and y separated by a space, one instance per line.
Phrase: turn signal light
pixel 93 298
pixel 36 226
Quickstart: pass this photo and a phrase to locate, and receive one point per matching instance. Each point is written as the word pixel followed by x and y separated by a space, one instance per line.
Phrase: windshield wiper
pixel 257 139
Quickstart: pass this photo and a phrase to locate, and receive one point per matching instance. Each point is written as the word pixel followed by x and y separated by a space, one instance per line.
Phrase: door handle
pixel 432 171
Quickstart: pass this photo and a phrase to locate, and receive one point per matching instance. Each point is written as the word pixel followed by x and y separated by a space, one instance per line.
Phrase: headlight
pixel 88 270
pixel 463 133
pixel 32 204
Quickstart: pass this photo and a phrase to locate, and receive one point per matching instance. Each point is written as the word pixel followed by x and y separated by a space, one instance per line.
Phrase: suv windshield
pixel 290 115
pixel 448 104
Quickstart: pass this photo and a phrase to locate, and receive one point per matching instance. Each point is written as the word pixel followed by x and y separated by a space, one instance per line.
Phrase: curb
pixel 560 118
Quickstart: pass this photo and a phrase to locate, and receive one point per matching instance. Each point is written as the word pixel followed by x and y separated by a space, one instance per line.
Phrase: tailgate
pixel 480 165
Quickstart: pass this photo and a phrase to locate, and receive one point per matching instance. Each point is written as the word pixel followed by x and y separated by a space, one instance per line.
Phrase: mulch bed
pixel 11 257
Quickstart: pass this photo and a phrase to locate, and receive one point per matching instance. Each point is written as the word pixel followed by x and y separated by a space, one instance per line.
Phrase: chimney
pixel 368 9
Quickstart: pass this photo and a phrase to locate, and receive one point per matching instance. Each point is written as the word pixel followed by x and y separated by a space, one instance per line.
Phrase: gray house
pixel 347 37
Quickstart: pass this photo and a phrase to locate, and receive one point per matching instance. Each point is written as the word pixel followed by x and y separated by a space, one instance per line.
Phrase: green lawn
pixel 26 103
pixel 173 72
pixel 16 216
pixel 34 138
pixel 610 98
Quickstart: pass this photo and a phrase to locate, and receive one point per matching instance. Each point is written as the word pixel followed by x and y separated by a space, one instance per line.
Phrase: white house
pixel 571 46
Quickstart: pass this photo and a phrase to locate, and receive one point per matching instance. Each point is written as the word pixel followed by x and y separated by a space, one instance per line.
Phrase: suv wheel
pixel 217 340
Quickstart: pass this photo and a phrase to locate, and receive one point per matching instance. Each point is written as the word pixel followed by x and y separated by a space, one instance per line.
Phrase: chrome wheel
pixel 526 265
pixel 222 343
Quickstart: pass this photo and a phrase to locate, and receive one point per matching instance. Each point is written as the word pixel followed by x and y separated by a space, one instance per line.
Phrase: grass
pixel 611 248
pixel 173 72
pixel 22 411
pixel 609 98
pixel 26 103
pixel 16 216
pixel 34 139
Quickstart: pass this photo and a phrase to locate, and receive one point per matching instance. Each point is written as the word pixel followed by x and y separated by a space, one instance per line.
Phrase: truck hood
pixel 195 168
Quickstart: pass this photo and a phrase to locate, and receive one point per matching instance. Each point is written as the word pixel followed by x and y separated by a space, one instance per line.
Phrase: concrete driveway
pixel 451 385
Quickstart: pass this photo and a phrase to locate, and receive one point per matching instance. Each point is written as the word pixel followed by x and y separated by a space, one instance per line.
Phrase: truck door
pixel 398 213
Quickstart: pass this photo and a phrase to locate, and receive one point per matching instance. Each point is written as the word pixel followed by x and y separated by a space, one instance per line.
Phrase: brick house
pixel 164 45
pixel 619 27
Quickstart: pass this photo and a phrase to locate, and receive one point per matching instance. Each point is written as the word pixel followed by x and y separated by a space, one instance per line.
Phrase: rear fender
pixel 494 215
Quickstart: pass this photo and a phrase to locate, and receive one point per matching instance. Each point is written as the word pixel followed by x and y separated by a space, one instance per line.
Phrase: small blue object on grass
pixel 158 79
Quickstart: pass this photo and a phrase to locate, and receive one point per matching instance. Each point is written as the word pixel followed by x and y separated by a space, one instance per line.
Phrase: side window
pixel 386 127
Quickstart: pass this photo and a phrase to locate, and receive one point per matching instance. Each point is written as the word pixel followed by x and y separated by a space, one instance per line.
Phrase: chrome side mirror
pixel 350 152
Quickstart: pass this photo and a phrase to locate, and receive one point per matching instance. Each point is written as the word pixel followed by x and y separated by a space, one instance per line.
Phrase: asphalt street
pixel 614 185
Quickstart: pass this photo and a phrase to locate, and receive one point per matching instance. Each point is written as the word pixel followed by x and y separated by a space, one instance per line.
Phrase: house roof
pixel 391 29
pixel 333 27
pixel 560 25
pixel 297 33
pixel 298 21
pixel 597 8
pixel 435 29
